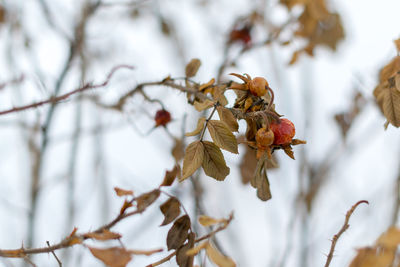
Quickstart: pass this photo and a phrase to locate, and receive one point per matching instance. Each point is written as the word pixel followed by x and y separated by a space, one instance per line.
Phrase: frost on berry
pixel 257 86
pixel 162 117
pixel 283 130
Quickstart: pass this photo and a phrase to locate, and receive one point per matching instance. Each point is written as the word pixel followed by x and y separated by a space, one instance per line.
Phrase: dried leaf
pixel 218 258
pixel 171 209
pixel 389 70
pixel 103 236
pixel 262 183
pixel 178 232
pixel 112 257
pixel 192 67
pixel 145 252
pixel 248 165
pixel 146 199
pixel 226 116
pixel 389 102
pixel 127 204
pixel 222 136
pixel 373 257
pixel 170 176
pixel 214 163
pixel 289 151
pixel 193 159
pixel 199 128
pixel 182 257
pixel 207 85
pixel 208 221
pixel 397 44
pixel 178 150
pixel 391 238
pixel 195 250
pixel 122 192
pixel 200 106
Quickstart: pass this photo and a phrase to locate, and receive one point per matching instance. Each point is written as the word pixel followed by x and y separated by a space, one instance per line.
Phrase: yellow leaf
pixel 222 136
pixel 199 128
pixel 193 159
pixel 206 85
pixel 208 221
pixel 195 250
pixel 200 106
pixel 218 258
pixel 226 116
pixel 214 163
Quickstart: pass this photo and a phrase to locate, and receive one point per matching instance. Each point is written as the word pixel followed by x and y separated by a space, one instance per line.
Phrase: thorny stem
pixel 54 254
pixel 207 120
pixel 345 226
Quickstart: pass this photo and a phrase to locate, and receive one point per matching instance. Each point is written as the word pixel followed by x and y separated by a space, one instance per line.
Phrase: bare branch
pixel 345 226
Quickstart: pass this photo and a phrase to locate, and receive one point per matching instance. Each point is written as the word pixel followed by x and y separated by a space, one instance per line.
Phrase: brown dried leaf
pixel 112 257
pixel 222 136
pixel 218 94
pixel 226 116
pixel 103 236
pixel 389 102
pixel 178 232
pixel 171 209
pixel 208 221
pixel 199 128
pixel 146 199
pixel 127 204
pixel 218 258
pixel 390 70
pixel 178 150
pixel 397 81
pixel 170 176
pixel 182 257
pixel 390 238
pixel 248 165
pixel 200 106
pixel 262 183
pixel 214 163
pixel 288 150
pixel 373 257
pixel 207 85
pixel 194 156
pixel 122 192
pixel 192 67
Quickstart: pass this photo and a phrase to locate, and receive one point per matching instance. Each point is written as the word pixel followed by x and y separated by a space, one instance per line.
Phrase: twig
pixel 345 226
pixel 65 96
pixel 55 256
pixel 207 120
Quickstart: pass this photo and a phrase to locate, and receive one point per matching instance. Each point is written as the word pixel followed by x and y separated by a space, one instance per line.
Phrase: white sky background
pixel 258 235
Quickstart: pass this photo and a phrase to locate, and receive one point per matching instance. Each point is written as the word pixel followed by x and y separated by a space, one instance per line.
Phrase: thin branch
pixel 55 256
pixel 345 226
pixel 57 99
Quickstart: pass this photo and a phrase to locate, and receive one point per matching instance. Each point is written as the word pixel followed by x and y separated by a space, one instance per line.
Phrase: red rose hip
pixel 162 117
pixel 283 130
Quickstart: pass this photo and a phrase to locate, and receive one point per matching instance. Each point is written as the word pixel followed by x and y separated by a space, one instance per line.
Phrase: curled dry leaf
pixel 182 257
pixel 122 192
pixel 178 232
pixel 193 159
pixel 214 164
pixel 127 204
pixel 200 106
pixel 222 136
pixel 218 258
pixel 192 67
pixel 226 116
pixel 103 235
pixel 146 199
pixel 145 252
pixel 112 257
pixel 178 150
pixel 199 128
pixel 170 176
pixel 170 209
pixel 260 181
